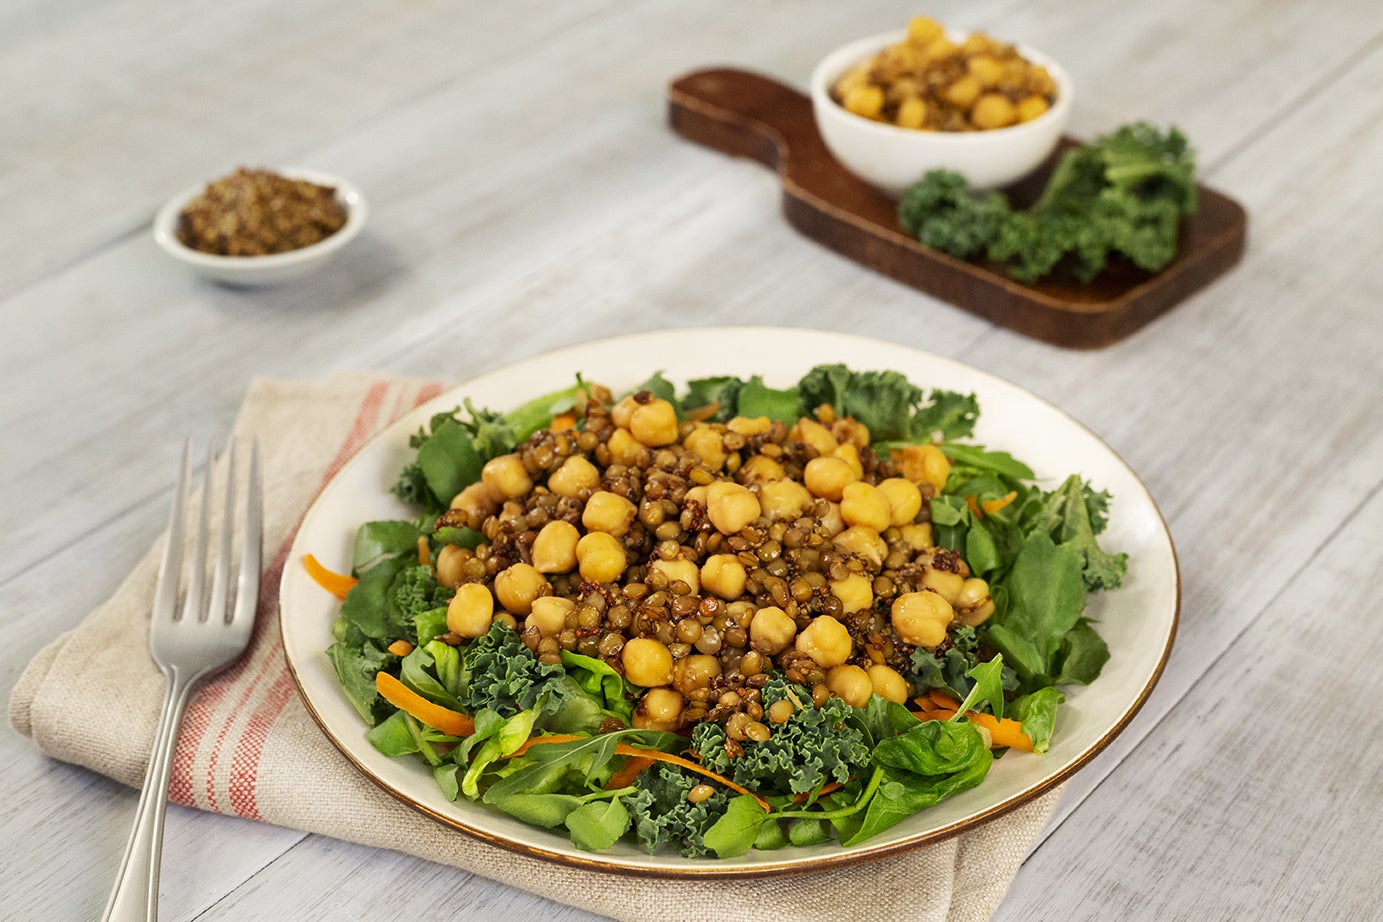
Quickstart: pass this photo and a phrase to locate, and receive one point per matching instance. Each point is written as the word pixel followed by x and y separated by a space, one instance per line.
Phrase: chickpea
pixel 826 641
pixel 866 505
pixel 973 603
pixel 576 476
pixel 549 614
pixel 476 501
pixel 942 582
pixel 904 500
pixel 993 110
pixel 694 672
pixel 749 425
pixel 912 113
pixel 811 432
pixel 851 684
pixel 554 549
pixel 782 500
pixel 923 30
pixel 624 448
pixel 850 454
pixel 730 506
pixel 986 69
pixel 450 565
pixel 685 570
pixel 724 576
pixel 856 592
pixel 506 477
pixel 622 413
pixel 646 662
pixel 518 586
pixel 659 709
pixel 827 477
pixel 888 684
pixel 921 618
pixel 600 557
pixel 926 464
pixel 760 469
pixel 772 629
pixel 917 536
pixel 864 543
pixel 470 611
pixel 1030 107
pixel 654 423
pixel 866 101
pixel 708 444
pixel 963 92
pixel 831 520
pixel 608 512
pixel 781 711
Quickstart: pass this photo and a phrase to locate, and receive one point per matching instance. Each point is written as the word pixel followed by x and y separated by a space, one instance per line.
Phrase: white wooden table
pixel 527 194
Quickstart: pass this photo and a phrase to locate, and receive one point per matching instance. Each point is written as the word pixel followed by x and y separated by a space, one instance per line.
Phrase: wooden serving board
pixel 751 115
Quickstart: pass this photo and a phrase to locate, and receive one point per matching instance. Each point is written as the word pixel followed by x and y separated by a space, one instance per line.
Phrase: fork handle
pixel 135 896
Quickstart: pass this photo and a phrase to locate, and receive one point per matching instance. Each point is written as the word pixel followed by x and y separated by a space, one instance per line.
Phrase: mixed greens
pixel 1122 195
pixel 555 744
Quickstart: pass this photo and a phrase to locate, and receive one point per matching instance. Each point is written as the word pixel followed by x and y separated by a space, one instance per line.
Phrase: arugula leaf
pixel 988 688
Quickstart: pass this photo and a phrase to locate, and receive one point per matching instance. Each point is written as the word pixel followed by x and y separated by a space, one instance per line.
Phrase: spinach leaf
pixel 1037 713
pixel 1046 598
pixel 376 541
pixel 449 461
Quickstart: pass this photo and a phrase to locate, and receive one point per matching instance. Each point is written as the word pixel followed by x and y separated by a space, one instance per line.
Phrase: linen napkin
pixel 249 748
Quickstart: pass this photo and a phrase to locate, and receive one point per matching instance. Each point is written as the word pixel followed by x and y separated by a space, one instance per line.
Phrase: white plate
pixel 1137 620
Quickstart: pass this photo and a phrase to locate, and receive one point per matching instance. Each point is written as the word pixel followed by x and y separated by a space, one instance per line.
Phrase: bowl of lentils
pixel 261 226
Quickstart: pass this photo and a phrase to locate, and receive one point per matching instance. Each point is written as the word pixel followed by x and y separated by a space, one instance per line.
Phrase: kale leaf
pixel 663 816
pixel 815 745
pixel 502 674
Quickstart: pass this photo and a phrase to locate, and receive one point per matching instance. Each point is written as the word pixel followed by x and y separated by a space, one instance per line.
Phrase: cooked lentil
pixel 259 212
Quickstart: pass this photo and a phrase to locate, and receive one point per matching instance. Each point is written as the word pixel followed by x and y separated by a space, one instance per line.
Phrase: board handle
pixel 741 113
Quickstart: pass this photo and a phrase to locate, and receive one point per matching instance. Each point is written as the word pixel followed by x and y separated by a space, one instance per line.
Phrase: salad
pixel 724 618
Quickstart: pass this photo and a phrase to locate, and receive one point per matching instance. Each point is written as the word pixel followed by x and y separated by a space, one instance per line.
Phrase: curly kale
pixel 1123 194
pixel 663 816
pixel 502 674
pixel 944 213
pixel 415 590
pixel 946 671
pixel 814 745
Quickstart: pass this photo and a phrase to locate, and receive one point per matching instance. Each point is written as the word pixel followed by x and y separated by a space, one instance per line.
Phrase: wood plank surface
pixel 527 194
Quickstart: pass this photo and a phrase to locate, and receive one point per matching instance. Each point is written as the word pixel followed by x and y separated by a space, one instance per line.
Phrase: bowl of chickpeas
pixel 893 106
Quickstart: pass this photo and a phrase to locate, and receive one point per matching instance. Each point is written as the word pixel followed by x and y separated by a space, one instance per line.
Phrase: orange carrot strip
pixel 563 421
pixel 400 648
pixel 974 507
pixel 452 723
pixel 424 552
pixel 626 750
pixel 655 755
pixel 625 776
pixel 992 506
pixel 826 788
pixel 338 584
pixel 1005 732
pixel 943 700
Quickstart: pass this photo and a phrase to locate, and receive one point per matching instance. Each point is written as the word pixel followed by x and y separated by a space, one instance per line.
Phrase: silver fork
pixel 189 645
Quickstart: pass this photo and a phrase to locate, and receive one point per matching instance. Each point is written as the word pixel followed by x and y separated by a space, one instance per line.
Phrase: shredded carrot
pixel 655 755
pixel 701 414
pixel 563 421
pixel 1004 732
pixel 826 788
pixel 452 723
pixel 974 507
pixel 992 506
pixel 400 648
pixel 625 776
pixel 424 552
pixel 338 584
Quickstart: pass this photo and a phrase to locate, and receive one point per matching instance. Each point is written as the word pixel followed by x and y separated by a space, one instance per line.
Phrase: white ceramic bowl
pixel 263 270
pixel 894 158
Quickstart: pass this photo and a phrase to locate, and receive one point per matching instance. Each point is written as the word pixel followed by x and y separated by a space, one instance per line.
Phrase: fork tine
pixel 196 594
pixel 216 606
pixel 166 588
pixel 252 553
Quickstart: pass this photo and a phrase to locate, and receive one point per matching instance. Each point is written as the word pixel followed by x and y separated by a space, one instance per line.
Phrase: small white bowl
pixel 894 158
pixel 276 267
